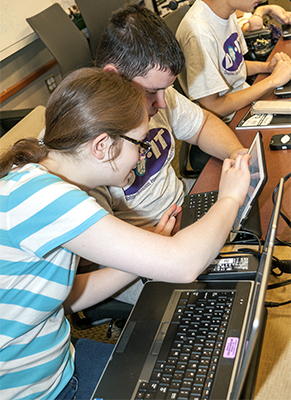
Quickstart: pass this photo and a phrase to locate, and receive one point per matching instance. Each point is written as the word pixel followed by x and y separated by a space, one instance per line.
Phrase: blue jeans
pixel 90 360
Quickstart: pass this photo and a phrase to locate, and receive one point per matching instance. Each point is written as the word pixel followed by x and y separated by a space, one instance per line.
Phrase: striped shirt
pixel 39 212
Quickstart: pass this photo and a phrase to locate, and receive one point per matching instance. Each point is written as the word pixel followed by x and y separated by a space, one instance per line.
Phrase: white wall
pixel 17 67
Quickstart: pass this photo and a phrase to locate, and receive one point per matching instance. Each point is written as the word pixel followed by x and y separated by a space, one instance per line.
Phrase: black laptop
pixel 284 91
pixel 190 341
pixel 286 32
pixel 196 205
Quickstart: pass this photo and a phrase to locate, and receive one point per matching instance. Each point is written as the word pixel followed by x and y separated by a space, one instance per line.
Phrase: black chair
pixel 190 155
pixel 67 44
pixel 9 118
pixel 95 14
pixel 174 18
pixel 110 311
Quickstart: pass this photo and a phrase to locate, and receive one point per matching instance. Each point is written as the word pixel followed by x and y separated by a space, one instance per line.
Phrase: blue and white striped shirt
pixel 39 212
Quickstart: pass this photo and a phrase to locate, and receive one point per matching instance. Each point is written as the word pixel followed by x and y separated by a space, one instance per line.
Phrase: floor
pixel 96 333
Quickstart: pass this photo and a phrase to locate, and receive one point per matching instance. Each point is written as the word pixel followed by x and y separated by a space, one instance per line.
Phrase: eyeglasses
pixel 144 146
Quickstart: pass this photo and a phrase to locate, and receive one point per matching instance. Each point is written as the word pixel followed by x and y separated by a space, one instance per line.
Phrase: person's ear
pixel 100 146
pixel 110 68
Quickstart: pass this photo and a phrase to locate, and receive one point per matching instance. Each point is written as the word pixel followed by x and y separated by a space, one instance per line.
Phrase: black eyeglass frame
pixel 143 145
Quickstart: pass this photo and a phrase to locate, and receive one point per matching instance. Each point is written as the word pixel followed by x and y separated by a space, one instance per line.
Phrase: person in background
pixel 214 48
pixel 95 129
pixel 139 45
pixel 254 21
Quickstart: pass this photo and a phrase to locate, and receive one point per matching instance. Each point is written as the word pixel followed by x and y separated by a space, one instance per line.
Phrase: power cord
pixel 271 304
pixel 283 243
pixel 283 265
pixel 245 232
pixel 279 284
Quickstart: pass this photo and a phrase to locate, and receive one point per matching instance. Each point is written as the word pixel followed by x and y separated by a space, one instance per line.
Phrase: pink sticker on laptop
pixel 230 347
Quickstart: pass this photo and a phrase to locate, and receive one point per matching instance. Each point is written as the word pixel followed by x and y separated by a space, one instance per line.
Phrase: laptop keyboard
pixel 200 203
pixel 187 362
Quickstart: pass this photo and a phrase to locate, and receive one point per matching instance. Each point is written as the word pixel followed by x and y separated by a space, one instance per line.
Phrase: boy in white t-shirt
pixel 214 48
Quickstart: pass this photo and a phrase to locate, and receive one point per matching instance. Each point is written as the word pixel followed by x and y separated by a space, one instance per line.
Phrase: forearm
pixel 275 11
pixel 216 138
pixel 91 288
pixel 230 103
pixel 215 226
pixel 153 256
pixel 256 67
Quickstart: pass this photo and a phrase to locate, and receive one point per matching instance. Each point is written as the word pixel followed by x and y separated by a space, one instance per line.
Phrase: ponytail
pixel 87 103
pixel 24 151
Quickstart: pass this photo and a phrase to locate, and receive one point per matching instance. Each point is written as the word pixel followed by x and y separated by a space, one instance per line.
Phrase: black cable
pixel 272 304
pixel 283 265
pixel 279 284
pixel 242 250
pixel 283 243
pixel 247 241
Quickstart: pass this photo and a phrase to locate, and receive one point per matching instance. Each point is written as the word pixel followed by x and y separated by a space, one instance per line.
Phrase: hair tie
pixel 41 143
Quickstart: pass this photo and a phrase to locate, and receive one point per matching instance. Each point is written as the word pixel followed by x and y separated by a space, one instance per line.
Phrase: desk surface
pixel 273 379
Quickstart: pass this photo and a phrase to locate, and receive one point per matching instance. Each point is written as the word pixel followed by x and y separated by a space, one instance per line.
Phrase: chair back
pixel 96 14
pixel 68 45
pixel 174 18
pixel 30 126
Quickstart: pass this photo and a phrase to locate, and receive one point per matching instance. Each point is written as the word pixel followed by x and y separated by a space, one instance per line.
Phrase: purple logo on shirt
pixel 233 54
pixel 160 139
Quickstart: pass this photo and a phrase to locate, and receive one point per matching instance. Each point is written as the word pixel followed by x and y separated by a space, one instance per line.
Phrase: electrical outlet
pixel 51 83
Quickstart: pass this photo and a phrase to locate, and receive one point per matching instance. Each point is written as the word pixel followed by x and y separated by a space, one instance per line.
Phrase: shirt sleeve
pixel 52 213
pixel 202 57
pixel 185 117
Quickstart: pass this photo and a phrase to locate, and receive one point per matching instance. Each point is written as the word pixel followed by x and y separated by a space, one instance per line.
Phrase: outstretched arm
pixel 130 251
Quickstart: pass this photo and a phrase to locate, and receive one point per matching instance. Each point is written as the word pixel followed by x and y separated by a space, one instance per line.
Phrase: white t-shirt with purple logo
pixel 213 49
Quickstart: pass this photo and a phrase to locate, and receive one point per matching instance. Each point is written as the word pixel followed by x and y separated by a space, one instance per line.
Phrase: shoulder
pixel 179 106
pixel 32 188
pixel 195 18
pixel 198 28
pixel 35 180
pixel 183 116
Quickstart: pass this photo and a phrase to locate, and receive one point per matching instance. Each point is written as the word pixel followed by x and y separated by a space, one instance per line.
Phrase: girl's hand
pixel 168 220
pixel 235 178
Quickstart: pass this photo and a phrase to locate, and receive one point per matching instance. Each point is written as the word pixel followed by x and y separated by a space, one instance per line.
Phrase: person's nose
pixel 159 101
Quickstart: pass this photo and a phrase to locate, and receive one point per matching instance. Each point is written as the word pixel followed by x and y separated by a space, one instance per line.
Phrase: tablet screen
pixel 258 179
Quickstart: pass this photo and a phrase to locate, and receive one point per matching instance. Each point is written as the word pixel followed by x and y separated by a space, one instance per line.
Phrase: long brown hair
pixel 85 104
